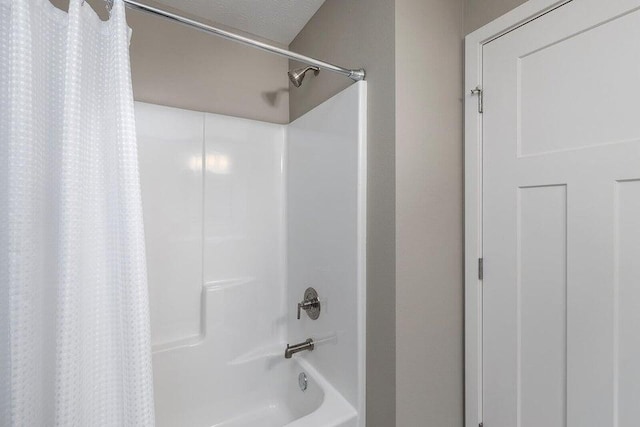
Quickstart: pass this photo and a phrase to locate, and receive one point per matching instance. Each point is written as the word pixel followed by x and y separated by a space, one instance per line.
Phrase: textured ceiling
pixel 277 20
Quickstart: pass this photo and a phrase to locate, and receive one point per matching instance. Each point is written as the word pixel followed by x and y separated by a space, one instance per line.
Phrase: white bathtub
pixel 259 390
pixel 333 410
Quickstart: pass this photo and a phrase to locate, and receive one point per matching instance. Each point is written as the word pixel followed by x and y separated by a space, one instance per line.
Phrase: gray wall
pixel 180 67
pixel 360 33
pixel 429 228
pixel 480 12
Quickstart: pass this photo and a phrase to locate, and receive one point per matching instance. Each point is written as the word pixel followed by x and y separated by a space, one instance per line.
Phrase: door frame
pixel 474 43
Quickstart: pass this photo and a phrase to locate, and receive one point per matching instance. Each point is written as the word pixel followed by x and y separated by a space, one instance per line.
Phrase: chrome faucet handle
pixel 306 306
pixel 310 304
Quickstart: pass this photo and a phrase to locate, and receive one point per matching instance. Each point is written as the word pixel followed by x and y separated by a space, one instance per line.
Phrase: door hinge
pixel 480 93
pixel 480 268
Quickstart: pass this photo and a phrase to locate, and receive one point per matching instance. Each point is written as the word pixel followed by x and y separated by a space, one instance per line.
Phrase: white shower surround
pixel 240 217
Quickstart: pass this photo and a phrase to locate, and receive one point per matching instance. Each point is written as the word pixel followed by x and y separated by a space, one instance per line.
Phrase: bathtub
pixel 255 390
pixel 330 409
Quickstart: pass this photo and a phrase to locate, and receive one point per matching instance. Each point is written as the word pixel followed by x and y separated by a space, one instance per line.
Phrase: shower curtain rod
pixel 354 75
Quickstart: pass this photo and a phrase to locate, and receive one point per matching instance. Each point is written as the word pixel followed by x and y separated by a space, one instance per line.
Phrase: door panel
pixel 561 227
pixel 541 303
pixel 569 113
pixel 627 294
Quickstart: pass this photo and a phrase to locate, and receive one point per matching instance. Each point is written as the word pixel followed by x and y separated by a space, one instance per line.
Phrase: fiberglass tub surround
pixel 240 218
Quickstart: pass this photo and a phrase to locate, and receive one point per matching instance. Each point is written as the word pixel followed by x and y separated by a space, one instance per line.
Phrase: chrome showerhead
pixel 296 76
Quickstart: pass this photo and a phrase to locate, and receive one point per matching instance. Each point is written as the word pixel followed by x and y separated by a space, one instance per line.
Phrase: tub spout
pixel 296 348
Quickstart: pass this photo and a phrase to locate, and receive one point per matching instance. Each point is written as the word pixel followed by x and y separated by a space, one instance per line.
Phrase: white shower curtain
pixel 74 316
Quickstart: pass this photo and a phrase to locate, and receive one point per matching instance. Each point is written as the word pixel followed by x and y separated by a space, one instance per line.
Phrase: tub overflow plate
pixel 303 383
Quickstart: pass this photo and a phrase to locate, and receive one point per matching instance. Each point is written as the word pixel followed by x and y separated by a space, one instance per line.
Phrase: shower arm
pixel 355 75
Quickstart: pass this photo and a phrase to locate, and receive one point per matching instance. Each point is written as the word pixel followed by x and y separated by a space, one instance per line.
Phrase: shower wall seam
pixel 203 323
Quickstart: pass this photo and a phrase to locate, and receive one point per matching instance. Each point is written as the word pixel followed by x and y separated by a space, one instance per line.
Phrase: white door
pixel 561 219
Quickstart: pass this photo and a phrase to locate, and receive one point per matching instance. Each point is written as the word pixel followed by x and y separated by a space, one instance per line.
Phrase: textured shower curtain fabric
pixel 74 316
